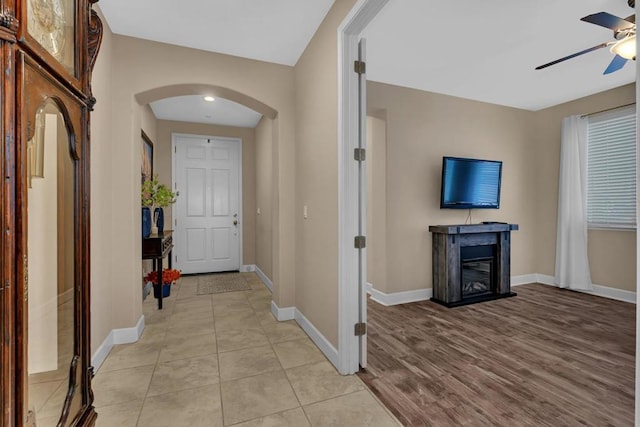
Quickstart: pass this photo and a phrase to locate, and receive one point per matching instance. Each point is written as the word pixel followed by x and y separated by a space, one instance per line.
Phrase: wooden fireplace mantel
pixel 492 227
pixel 448 240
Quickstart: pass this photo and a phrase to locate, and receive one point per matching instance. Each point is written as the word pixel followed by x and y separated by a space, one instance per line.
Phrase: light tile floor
pixel 223 360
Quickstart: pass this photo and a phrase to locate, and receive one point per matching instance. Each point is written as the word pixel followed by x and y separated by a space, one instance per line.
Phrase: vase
pixel 158 214
pixel 146 222
pixel 166 290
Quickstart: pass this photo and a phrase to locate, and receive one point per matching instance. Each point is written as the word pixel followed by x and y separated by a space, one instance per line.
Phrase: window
pixel 611 169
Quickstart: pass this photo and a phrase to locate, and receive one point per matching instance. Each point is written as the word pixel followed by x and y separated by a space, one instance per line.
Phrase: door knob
pixel 235 222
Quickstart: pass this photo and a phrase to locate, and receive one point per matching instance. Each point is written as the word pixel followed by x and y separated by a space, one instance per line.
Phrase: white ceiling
pixel 487 50
pixel 483 50
pixel 194 109
pixel 273 31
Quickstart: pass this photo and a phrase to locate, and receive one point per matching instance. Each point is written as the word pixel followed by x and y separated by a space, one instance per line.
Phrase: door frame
pixel 349 218
pixel 175 135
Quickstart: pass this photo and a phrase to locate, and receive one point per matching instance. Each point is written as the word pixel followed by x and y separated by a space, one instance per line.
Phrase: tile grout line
pixel 284 371
pixel 264 324
pixel 155 366
pixel 213 311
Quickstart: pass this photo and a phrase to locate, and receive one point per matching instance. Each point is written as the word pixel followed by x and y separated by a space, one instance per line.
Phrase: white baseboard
pixel 545 279
pixel 425 294
pixel 524 279
pixel 264 278
pixel 282 314
pixel 399 297
pixel 129 335
pixel 247 268
pixel 323 344
pixel 598 290
pixel 102 352
pixel 613 293
pixel 116 336
pixel 291 313
pixel 146 290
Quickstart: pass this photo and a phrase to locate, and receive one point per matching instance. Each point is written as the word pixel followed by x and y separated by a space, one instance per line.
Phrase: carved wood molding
pixel 95 40
pixel 9 21
pixel 7 34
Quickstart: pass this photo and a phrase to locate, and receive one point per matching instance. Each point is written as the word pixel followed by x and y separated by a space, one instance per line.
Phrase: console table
pixel 471 262
pixel 156 247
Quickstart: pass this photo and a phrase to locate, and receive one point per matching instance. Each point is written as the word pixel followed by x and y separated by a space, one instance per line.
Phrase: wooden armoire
pixel 47 52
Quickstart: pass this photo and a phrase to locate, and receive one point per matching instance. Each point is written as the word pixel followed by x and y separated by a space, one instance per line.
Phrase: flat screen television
pixel 470 183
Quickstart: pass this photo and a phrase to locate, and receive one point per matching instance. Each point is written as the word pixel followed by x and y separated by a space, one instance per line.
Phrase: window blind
pixel 611 169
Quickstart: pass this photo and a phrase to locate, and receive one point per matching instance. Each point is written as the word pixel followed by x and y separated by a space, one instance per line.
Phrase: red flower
pixel 169 275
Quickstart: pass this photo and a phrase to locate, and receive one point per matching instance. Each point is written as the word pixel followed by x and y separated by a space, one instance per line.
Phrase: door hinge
pixel 360 329
pixel 360 242
pixel 176 222
pixel 359 67
pixel 360 154
pixel 175 149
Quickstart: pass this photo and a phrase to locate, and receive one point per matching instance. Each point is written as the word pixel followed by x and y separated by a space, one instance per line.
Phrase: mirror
pixel 51 261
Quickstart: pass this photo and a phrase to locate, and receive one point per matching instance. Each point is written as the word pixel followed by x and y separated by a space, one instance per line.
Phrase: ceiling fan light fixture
pixel 626 47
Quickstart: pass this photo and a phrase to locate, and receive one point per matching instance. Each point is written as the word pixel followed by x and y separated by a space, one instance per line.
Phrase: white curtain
pixel 572 263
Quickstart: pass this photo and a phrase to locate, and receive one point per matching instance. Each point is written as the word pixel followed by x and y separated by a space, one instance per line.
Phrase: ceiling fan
pixel 624 45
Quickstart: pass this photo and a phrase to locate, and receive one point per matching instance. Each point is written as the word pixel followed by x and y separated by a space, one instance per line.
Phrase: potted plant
pixel 163 198
pixel 156 194
pixel 169 277
pixel 146 198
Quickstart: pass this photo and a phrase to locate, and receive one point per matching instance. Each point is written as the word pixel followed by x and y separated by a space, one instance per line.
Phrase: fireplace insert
pixel 478 271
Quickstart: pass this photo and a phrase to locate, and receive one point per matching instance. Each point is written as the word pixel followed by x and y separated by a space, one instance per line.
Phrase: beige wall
pixel 103 245
pixel 316 265
pixel 376 166
pixel 264 190
pixel 163 167
pixel 142 66
pixel 149 124
pixel 423 127
pixel 611 253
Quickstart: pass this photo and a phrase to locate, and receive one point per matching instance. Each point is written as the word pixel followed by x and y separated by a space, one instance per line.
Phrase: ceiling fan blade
pixel 608 20
pixel 616 64
pixel 582 52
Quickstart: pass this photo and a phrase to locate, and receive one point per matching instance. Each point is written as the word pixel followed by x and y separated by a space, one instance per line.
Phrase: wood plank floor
pixel 548 357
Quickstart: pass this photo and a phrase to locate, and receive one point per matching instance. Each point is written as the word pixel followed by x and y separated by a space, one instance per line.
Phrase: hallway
pixel 223 360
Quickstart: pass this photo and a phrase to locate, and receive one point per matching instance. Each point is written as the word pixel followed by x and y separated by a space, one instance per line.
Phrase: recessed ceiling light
pixel 209 98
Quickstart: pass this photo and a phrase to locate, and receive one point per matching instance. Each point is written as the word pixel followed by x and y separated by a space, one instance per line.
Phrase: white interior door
pixel 362 201
pixel 207 211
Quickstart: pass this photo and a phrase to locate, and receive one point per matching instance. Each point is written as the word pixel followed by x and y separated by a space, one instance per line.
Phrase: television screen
pixel 470 183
